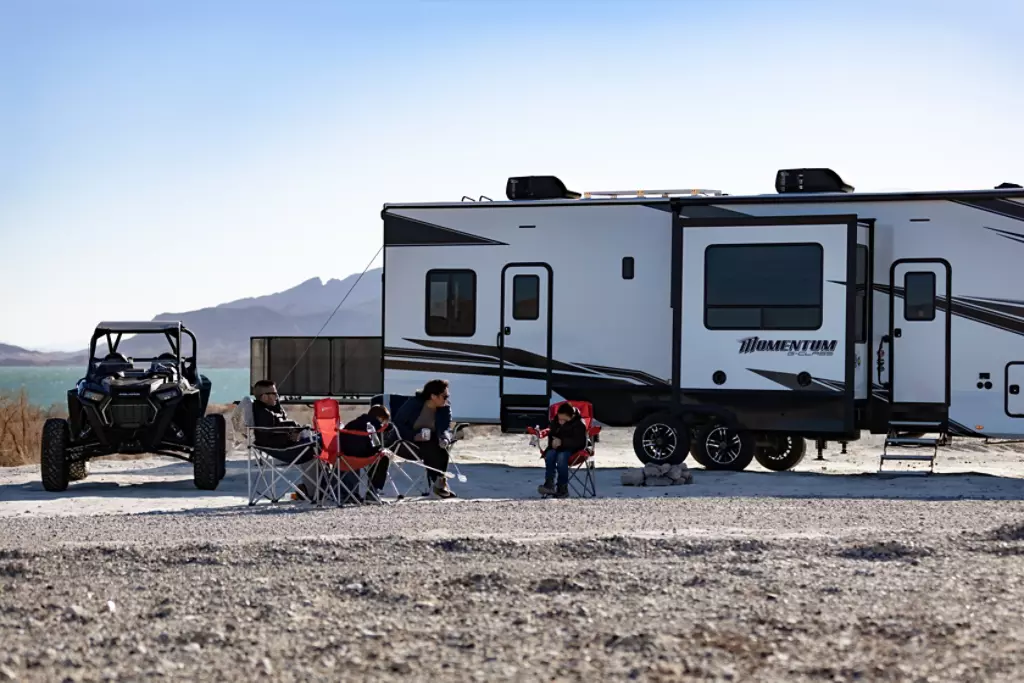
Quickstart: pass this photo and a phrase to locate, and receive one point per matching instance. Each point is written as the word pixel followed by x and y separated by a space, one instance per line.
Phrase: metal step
pixel 911 441
pixel 921 458
pixel 915 426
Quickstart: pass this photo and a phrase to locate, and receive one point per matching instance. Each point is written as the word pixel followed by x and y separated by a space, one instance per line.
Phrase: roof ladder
pixel 910 441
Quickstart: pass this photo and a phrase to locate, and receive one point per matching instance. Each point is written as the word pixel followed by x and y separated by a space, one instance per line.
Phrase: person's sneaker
pixel 546 489
pixel 372 495
pixel 562 491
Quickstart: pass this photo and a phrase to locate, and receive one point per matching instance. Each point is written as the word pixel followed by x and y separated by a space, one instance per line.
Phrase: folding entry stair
pixel 900 446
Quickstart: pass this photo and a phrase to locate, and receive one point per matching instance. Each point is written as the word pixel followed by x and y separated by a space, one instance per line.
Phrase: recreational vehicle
pixel 726 326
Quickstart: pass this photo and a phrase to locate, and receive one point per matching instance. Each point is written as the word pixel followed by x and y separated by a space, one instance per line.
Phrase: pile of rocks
pixel 658 475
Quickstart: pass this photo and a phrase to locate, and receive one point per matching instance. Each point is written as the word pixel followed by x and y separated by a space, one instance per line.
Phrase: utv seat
pixel 112 364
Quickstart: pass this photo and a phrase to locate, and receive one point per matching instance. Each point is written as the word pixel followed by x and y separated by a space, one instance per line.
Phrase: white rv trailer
pixel 815 312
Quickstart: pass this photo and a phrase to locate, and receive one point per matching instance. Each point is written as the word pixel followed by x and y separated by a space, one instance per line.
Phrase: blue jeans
pixel 559 459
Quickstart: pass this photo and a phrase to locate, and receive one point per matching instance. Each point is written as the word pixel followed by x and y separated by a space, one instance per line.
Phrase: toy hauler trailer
pixel 739 325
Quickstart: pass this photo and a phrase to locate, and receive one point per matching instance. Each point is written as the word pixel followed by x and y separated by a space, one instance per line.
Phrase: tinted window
pixel 627 268
pixel 451 303
pixel 525 297
pixel 919 296
pixel 861 314
pixel 763 286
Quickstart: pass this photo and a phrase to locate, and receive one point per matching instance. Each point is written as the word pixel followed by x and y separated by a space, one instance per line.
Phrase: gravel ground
pixel 765 589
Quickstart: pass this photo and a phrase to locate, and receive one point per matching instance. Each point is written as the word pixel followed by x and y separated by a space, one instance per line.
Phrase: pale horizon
pixel 240 149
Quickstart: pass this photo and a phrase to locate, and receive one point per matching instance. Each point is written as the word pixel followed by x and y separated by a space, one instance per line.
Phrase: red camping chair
pixel 581 464
pixel 327 421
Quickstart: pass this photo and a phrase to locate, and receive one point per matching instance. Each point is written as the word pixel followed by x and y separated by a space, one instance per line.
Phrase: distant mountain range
pixel 223 331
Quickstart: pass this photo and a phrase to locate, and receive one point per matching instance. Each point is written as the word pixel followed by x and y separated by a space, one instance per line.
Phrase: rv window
pixel 919 296
pixel 763 286
pixel 451 303
pixel 628 267
pixel 861 315
pixel 525 297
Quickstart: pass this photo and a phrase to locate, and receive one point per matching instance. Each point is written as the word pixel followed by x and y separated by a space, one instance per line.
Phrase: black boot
pixel 562 491
pixel 547 488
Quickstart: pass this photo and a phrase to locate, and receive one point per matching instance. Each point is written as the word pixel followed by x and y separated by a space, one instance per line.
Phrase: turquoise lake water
pixel 46 386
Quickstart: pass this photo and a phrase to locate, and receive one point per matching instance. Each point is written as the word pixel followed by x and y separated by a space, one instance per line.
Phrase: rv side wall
pixel 612 322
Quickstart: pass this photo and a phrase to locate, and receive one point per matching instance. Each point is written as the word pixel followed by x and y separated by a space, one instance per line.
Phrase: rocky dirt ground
pixel 655 589
pixel 802 576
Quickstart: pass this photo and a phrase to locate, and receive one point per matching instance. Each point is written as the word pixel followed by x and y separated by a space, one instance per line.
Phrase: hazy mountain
pixel 223 331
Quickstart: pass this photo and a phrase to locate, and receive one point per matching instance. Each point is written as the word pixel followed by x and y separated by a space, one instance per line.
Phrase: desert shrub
pixel 21 428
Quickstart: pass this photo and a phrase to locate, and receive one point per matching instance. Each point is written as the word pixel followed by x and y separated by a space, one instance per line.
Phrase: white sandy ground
pixel 505 467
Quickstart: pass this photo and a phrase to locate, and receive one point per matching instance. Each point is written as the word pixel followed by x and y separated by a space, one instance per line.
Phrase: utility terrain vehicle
pixel 136 405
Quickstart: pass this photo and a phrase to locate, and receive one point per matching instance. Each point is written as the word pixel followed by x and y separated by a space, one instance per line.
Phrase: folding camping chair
pixel 581 464
pixel 327 423
pixel 408 451
pixel 271 472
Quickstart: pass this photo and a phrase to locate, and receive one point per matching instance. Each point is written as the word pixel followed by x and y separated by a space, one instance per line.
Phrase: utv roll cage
pixel 112 333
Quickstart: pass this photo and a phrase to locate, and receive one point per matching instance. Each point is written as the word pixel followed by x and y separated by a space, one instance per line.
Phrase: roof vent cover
pixel 804 180
pixel 537 187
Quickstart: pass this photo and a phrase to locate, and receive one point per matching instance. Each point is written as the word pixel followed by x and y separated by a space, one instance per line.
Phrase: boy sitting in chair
pixel 567 435
pixel 358 446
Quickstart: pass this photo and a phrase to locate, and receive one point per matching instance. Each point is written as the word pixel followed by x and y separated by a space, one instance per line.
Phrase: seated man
pixel 426 420
pixel 288 438
pixel 567 435
pixel 358 446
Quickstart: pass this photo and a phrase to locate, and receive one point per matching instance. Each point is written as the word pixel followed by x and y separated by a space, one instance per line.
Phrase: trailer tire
pixel 784 454
pixel 77 471
pixel 207 458
pixel 722 447
pixel 661 439
pixel 53 461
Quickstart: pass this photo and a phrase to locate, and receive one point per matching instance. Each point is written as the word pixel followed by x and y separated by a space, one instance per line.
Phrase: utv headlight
pixel 90 395
pixel 166 395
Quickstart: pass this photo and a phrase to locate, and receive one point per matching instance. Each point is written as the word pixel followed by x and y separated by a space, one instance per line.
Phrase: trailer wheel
pixel 660 439
pixel 207 458
pixel 77 471
pixel 53 462
pixel 784 452
pixel 724 448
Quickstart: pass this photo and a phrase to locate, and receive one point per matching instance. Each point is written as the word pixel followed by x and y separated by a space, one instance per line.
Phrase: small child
pixel 567 435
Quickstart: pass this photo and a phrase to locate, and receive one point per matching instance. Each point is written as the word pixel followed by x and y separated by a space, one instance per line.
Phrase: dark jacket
pixel 272 416
pixel 356 445
pixel 573 433
pixel 405 417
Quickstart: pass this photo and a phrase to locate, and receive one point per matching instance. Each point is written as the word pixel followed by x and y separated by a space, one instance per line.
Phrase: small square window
pixel 526 297
pixel 628 268
pixel 451 303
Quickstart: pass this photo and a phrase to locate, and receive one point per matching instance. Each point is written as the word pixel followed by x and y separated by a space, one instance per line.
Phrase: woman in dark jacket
pixel 426 420
pixel 567 435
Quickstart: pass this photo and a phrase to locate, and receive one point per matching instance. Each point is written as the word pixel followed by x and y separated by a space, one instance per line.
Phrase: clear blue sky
pixel 238 148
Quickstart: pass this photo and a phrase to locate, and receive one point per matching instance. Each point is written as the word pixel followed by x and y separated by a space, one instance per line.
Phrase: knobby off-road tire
pixel 53 461
pixel 784 454
pixel 208 452
pixel 77 471
pixel 724 448
pixel 661 439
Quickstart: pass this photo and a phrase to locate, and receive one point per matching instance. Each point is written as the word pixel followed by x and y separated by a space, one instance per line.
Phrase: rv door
pixel 525 337
pixel 919 331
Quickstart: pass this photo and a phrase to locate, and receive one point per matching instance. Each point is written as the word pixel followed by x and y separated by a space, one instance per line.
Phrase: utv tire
pixel 77 471
pixel 784 454
pixel 222 447
pixel 208 452
pixel 721 447
pixel 53 463
pixel 661 439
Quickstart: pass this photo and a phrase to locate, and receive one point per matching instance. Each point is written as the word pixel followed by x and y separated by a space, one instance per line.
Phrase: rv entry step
pixel 911 441
pixel 519 411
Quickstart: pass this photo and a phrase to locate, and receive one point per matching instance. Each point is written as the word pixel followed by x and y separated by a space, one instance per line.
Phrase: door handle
pixel 1014 389
pixel 897 333
pixel 507 331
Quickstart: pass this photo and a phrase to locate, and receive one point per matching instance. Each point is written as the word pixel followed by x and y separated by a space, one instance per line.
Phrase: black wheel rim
pixel 659 441
pixel 723 445
pixel 779 449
